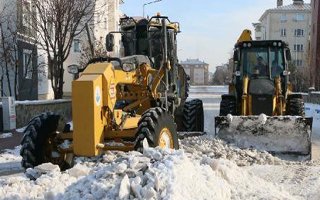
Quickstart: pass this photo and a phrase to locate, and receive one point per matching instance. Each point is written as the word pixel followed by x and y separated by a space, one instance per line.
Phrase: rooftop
pixel 287 8
pixel 193 62
pixel 305 6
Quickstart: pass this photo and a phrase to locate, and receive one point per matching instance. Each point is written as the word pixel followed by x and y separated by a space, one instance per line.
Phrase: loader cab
pixel 257 67
pixel 261 59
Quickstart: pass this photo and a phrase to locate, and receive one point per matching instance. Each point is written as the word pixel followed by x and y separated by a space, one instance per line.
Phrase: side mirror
pixel 288 55
pixel 73 69
pixel 110 42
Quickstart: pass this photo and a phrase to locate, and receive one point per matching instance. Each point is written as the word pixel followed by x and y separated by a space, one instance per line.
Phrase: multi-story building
pixel 290 23
pixel 197 70
pixel 27 68
pixel 18 52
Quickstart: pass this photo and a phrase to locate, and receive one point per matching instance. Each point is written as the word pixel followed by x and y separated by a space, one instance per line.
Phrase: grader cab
pixel 118 103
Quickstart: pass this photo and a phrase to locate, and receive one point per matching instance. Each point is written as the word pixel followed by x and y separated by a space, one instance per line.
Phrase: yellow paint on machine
pixel 87 101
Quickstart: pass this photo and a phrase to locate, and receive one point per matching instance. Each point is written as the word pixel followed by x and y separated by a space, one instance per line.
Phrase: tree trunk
pixel 57 79
pixel 6 60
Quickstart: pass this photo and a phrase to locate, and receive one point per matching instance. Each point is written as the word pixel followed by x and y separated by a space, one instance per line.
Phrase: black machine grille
pixel 262 104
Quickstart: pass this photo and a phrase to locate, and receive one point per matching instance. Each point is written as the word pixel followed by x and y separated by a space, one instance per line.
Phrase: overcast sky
pixel 209 28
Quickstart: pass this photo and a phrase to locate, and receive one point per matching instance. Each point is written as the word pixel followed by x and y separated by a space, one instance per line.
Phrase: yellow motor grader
pixel 261 111
pixel 118 103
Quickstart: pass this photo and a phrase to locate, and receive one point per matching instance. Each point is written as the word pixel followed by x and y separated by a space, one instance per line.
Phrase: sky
pixel 209 28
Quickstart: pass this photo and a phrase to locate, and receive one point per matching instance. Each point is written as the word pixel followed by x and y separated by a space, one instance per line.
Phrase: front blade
pixel 276 134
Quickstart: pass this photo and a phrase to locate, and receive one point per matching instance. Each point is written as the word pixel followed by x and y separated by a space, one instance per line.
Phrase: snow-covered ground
pixel 203 168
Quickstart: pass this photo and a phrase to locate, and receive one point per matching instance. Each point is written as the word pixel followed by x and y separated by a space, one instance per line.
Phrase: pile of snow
pixel 10 155
pixel 5 135
pixel 209 147
pixel 156 174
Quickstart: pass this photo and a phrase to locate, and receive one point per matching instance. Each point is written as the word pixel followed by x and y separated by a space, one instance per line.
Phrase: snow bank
pixel 156 174
pixel 5 135
pixel 10 155
pixel 208 147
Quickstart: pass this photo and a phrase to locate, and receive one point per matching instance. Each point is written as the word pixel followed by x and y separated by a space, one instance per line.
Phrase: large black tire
pixel 35 148
pixel 295 106
pixel 227 105
pixel 155 124
pixel 193 116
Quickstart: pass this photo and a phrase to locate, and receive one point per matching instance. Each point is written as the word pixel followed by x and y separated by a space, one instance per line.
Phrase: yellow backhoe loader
pixel 118 103
pixel 261 111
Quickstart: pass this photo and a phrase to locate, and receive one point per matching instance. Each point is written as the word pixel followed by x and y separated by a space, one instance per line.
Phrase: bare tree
pixel 8 53
pixel 222 75
pixel 57 23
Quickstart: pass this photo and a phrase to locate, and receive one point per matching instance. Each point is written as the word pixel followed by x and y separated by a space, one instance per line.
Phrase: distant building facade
pixel 197 70
pixel 290 23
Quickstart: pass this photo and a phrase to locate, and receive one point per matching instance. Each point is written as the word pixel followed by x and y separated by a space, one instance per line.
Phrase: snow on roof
pixel 193 62
pixel 304 6
pixel 286 8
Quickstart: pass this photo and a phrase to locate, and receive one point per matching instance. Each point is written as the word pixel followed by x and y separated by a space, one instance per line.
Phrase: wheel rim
pixel 165 139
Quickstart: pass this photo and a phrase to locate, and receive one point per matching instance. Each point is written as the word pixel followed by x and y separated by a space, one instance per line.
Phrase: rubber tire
pixel 295 106
pixel 193 116
pixel 37 133
pixel 150 125
pixel 227 105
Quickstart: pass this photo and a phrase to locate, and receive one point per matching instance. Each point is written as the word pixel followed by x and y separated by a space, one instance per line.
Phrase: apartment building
pixel 27 68
pixel 290 23
pixel 197 70
pixel 18 52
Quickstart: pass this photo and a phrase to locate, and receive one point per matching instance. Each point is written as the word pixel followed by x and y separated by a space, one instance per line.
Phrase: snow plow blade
pixel 274 134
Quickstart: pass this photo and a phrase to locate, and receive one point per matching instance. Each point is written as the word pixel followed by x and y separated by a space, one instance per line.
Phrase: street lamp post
pixel 148 4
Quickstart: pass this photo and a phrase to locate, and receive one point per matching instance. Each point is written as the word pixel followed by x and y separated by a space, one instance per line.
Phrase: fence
pixel 26 110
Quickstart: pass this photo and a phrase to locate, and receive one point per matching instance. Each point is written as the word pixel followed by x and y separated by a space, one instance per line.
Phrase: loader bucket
pixel 276 134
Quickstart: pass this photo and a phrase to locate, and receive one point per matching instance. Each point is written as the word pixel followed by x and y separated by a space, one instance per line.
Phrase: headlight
pixel 128 67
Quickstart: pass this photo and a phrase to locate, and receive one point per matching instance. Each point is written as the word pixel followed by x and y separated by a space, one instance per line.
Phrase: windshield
pixel 262 61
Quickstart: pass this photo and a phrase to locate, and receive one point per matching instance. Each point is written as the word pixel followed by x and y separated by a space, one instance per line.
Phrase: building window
pixel 283 32
pixel 283 18
pixel 76 45
pixel 26 17
pixel 298 47
pixel 299 17
pixel 298 32
pixel 27 64
pixel 298 63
